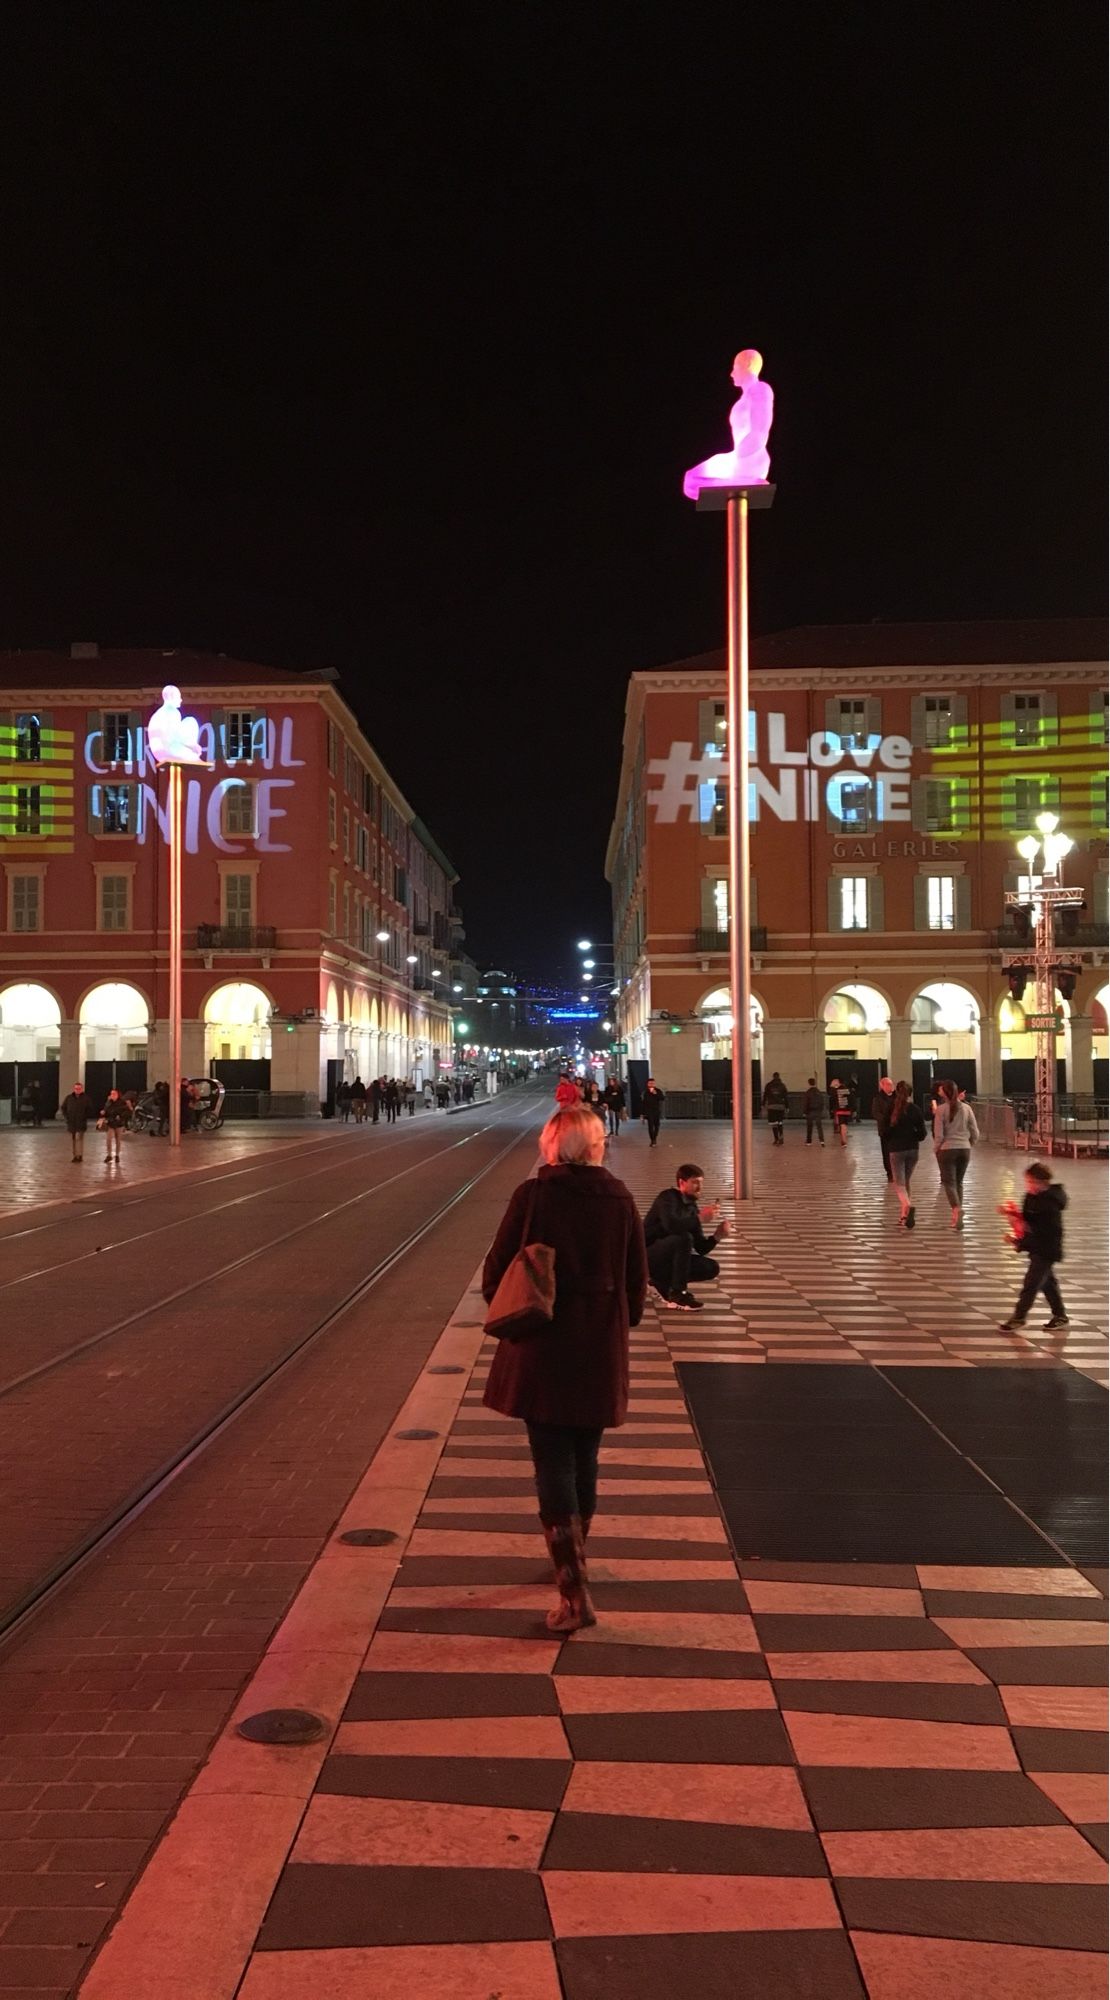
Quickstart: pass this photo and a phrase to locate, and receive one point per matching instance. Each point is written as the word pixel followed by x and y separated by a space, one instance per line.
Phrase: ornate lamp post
pixel 732 482
pixel 173 740
pixel 1046 895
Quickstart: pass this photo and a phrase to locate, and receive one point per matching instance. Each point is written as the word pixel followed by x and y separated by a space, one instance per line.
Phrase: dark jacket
pixel 813 1103
pixel 1042 1218
pixel 116 1113
pixel 576 1370
pixel 76 1110
pixel 907 1132
pixel 882 1104
pixel 358 1091
pixel 776 1098
pixel 614 1096
pixel 651 1105
pixel 675 1214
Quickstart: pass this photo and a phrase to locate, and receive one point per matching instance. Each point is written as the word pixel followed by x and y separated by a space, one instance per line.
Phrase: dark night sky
pixel 379 337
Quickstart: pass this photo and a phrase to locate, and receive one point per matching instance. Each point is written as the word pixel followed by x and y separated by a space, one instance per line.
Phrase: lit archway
pixel 1100 1039
pixel 857 1024
pixel 30 1025
pixel 715 1015
pixel 945 1028
pixel 237 1024
pixel 115 1023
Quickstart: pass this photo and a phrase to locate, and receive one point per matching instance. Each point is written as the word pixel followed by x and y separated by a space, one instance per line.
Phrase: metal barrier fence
pixel 1080 1124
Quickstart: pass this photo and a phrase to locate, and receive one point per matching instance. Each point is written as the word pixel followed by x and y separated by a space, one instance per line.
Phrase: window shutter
pixel 917 722
pixel 874 715
pixel 218 719
pixel 753 900
pixel 832 715
pixel 94 724
pixel 919 805
pixel 921 902
pixel 1050 725
pixel 876 901
pixel 834 902
pixel 1007 807
pixel 959 734
pixel 1007 713
pixel 708 919
pixel 94 806
pixel 1101 894
pixel 7 735
pixel 1098 716
pixel 962 902
pixel 705 725
pixel 134 724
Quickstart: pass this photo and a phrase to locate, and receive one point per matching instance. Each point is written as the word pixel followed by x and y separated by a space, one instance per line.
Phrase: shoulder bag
pixel 524 1302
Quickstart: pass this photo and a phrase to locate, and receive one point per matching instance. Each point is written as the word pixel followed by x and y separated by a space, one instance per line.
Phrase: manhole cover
pixel 283 1725
pixel 416 1434
pixel 369 1538
pixel 447 1369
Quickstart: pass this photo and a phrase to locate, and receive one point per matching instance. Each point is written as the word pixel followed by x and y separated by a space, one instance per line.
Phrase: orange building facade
pixel 318 917
pixel 893 771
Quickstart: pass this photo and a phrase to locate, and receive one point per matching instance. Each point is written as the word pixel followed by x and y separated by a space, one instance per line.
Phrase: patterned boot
pixel 564 1543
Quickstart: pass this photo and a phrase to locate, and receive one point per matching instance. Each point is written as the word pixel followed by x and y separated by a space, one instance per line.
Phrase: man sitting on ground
pixel 677 1246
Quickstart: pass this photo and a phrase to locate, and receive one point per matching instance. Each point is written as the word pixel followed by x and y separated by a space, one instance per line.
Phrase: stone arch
pixel 236 1016
pixel 115 1019
pixel 30 1022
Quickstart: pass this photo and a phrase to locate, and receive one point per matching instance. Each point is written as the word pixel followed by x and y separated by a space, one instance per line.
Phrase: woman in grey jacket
pixel 954 1134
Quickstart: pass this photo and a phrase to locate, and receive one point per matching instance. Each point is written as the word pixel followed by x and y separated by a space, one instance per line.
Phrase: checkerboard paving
pixel 803 1781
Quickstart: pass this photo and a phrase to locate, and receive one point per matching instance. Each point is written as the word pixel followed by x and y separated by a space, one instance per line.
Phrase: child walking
pixel 1038 1229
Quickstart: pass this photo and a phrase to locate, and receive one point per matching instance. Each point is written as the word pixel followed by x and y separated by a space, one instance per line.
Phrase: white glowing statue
pixel 750 419
pixel 173 738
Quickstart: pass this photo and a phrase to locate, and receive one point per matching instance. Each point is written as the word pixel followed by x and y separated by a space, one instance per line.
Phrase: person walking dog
pixel 569 1382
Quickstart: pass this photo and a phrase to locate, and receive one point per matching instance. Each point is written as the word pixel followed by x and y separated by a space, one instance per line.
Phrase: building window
pixel 346 834
pixel 333 902
pixel 938 721
pixel 26 902
pixel 850 799
pixel 1100 717
pixel 940 894
pixel 116 736
pixel 1033 796
pixel 1027 720
pixel 362 849
pixel 1100 800
pixel 347 911
pixel 333 820
pixel 853 902
pixel 115 903
pixel 852 724
pixel 352 773
pixel 238 809
pixel 115 809
pixel 720 904
pixel 244 735
pixel 28 739
pixel 333 749
pixel 238 902
pixel 28 809
pixel 947 805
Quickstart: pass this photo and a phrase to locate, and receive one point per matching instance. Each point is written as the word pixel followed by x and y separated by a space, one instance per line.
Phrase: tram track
pixel 201 1215
pixel 17 1614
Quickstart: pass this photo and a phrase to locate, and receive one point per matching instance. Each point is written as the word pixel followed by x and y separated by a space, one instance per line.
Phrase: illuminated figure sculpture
pixel 750 419
pixel 173 738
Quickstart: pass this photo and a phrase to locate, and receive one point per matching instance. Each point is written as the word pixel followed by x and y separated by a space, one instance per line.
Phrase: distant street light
pixel 1045 893
pixel 382 937
pixel 584 944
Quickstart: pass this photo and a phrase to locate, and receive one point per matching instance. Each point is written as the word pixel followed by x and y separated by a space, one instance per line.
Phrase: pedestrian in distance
pixel 443 1095
pixel 408 1097
pixel 677 1245
pixel 813 1104
pixel 113 1121
pixel 840 1109
pixel 567 1091
pixel 881 1105
pixel 373 1101
pixel 1037 1228
pixel 569 1383
pixel 905 1133
pixel 162 1107
pixel 776 1104
pixel 343 1100
pixel 954 1134
pixel 187 1098
pixel 392 1101
pixel 614 1105
pixel 651 1108
pixel 358 1098
pixel 76 1111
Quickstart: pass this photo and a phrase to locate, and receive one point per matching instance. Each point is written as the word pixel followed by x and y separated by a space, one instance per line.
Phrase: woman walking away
pixel 954 1134
pixel 840 1108
pixel 904 1133
pixel 570 1381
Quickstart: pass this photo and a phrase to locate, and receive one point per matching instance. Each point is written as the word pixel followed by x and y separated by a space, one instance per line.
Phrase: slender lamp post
pixel 1049 968
pixel 734 482
pixel 173 740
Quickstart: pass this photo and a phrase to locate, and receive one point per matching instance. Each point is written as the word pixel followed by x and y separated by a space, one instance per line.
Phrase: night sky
pixel 380 336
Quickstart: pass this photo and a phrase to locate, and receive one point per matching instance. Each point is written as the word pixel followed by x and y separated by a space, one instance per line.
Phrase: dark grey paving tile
pixel 677 1662
pixel 484 1624
pixel 850 1632
pixel 848 1575
pixel 991 1604
pixel 317 1908
pixel 396 1697
pixel 900 1527
pixel 1042 1666
pixel 1061 1749
pixel 925 1701
pixel 857 1801
pixel 603 1842
pixel 534 1784
pixel 1099 1837
pixel 1057 1916
pixel 703 1736
pixel 745 1965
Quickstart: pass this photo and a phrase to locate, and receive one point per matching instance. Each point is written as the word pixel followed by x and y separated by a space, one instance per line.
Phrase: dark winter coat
pixel 76 1110
pixel 882 1104
pixel 908 1131
pixel 651 1105
pixel 116 1113
pixel 673 1213
pixel 1042 1223
pixel 576 1370
pixel 813 1103
pixel 614 1096
pixel 776 1099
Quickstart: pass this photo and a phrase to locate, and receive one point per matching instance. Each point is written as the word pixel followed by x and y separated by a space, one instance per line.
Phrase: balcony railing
pixel 713 940
pixel 233 937
pixel 421 927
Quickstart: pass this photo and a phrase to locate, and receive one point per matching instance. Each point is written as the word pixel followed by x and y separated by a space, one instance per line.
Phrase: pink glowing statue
pixel 173 738
pixel 750 418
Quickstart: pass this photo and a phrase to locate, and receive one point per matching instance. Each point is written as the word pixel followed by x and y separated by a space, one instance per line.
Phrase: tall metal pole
pixel 175 954
pixel 739 845
pixel 1044 963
